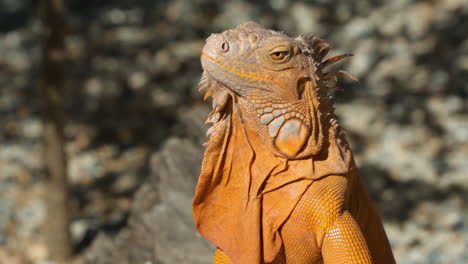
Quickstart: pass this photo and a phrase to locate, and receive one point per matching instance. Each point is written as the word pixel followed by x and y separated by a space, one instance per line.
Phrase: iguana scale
pixel 278 181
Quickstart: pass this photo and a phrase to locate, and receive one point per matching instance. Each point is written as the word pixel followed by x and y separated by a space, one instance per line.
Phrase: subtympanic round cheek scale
pixel 291 137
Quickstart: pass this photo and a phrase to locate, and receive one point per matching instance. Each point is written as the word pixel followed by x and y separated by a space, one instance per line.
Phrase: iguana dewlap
pixel 278 181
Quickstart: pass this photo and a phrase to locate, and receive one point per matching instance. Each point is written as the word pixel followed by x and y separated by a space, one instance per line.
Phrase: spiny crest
pixel 318 49
pixel 219 95
pixel 204 82
pixel 209 86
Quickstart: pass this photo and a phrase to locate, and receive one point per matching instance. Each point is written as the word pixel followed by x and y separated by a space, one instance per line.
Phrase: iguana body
pixel 278 181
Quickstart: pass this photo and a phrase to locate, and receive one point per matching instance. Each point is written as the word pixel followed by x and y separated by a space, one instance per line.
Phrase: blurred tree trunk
pixel 52 90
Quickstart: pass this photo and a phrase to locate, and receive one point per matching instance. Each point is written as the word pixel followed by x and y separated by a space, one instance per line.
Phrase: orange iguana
pixel 278 181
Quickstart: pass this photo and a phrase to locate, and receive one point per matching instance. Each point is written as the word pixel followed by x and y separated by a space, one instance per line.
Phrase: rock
pixel 31 128
pixel 6 213
pixel 233 13
pixel 137 80
pixel 31 217
pixel 394 153
pixel 161 222
pixel 307 18
pixel 11 257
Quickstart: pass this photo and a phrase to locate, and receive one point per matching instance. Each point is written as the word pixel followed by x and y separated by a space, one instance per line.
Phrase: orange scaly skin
pixel 278 181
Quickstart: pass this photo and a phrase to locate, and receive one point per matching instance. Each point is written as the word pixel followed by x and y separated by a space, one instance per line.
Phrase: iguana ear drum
pixel 291 137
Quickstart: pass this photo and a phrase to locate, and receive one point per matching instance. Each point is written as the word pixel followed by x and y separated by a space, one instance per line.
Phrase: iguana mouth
pixel 220 95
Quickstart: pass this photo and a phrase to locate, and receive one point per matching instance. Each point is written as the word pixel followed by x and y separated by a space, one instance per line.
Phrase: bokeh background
pixel 134 121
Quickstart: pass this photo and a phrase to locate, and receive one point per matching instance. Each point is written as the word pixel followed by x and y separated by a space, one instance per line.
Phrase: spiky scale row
pixel 332 60
pixel 204 82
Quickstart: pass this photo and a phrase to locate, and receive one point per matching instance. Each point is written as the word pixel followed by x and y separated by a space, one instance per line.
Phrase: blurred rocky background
pixel 135 121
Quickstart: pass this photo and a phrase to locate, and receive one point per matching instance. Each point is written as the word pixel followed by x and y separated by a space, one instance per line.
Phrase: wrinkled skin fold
pixel 278 181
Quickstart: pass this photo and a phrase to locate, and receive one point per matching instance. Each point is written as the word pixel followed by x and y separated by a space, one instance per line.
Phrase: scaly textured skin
pixel 278 181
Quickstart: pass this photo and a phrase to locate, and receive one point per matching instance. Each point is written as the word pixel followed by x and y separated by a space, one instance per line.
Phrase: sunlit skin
pixel 278 181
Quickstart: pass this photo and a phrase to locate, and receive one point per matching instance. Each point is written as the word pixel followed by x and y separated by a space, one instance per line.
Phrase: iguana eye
pixel 224 47
pixel 280 54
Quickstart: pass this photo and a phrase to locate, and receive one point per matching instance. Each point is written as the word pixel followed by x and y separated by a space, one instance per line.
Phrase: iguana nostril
pixel 224 46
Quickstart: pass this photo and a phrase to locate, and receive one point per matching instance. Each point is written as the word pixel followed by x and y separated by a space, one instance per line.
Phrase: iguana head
pixel 274 82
